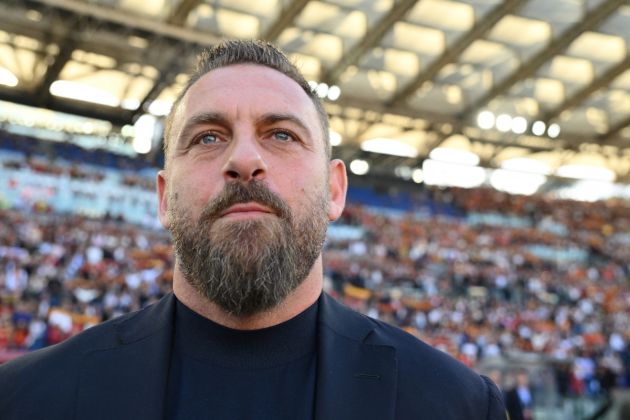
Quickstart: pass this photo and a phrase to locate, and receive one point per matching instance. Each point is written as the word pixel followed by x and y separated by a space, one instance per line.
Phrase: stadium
pixel 488 152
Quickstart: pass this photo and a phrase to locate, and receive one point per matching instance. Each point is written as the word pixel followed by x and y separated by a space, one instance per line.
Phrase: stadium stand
pixel 497 281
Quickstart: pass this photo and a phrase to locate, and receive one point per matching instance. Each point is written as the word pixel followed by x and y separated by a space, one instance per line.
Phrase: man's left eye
pixel 282 136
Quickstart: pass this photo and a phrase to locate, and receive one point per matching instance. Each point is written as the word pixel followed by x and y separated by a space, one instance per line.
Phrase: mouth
pixel 245 211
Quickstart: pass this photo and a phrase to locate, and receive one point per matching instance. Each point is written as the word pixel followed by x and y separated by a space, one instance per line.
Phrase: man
pixel 518 399
pixel 247 191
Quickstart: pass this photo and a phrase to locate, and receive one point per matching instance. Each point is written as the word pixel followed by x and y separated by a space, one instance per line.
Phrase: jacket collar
pixel 356 375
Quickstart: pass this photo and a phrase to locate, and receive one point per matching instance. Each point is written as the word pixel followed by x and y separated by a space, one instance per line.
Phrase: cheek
pixel 304 193
pixel 194 192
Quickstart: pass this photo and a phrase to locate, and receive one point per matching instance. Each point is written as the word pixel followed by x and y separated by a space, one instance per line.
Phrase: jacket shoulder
pixel 431 383
pixel 43 379
pixel 46 379
pixel 430 380
pixel 100 335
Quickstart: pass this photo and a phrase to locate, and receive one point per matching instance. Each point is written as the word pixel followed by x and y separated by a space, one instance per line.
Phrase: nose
pixel 244 162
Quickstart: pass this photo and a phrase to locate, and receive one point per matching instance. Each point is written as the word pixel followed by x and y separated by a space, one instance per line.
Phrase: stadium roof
pixel 548 80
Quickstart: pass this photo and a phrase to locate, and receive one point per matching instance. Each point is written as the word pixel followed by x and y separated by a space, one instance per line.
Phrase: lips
pixel 246 209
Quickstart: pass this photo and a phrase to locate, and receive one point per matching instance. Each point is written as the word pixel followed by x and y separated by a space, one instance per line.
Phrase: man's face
pixel 522 379
pixel 247 191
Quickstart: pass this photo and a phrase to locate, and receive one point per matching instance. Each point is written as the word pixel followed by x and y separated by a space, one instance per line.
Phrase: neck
pixel 295 303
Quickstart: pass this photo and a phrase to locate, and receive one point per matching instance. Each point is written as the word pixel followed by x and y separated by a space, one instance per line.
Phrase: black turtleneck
pixel 222 373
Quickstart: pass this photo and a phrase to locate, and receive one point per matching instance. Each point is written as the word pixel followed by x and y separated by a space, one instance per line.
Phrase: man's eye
pixel 282 136
pixel 208 138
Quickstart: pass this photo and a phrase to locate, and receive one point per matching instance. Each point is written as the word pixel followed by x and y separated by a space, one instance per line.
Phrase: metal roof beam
pixel 371 38
pixel 181 11
pixel 67 45
pixel 514 143
pixel 367 105
pixel 121 18
pixel 601 82
pixel 591 20
pixel 614 132
pixel 47 31
pixel 53 71
pixel 287 16
pixel 84 109
pixel 481 27
pixel 167 76
pixel 165 80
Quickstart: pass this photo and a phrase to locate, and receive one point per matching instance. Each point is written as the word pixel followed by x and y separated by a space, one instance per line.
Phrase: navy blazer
pixel 366 370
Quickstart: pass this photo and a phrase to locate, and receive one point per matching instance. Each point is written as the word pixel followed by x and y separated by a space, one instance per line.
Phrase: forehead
pixel 245 89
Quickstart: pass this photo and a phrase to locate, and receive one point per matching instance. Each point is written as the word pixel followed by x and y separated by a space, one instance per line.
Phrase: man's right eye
pixel 208 138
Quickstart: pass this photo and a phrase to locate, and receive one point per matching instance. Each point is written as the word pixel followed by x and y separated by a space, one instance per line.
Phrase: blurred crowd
pixel 501 276
pixel 60 274
pixel 474 290
pixel 481 291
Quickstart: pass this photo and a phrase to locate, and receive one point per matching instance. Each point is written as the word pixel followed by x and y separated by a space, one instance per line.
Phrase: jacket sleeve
pixel 496 406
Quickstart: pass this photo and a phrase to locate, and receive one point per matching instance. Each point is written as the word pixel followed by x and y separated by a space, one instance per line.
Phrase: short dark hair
pixel 232 52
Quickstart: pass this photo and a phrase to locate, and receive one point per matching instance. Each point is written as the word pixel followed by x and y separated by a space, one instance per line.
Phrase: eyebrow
pixel 203 118
pixel 273 117
pixel 217 118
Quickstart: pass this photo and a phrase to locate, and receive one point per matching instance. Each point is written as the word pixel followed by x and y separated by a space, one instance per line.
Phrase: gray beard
pixel 251 266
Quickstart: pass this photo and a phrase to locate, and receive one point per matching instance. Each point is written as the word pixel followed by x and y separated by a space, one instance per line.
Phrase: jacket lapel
pixel 355 379
pixel 133 374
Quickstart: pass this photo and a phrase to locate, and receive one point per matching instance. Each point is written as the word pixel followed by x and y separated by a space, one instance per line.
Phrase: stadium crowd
pixel 506 275
pixel 478 290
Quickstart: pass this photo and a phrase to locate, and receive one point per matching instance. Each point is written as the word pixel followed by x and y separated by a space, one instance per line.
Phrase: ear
pixel 162 199
pixel 337 188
